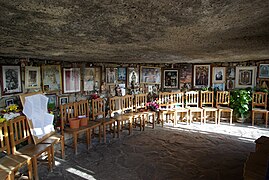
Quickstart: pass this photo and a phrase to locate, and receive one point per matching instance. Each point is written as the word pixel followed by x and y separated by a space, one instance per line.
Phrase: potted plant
pixel 240 102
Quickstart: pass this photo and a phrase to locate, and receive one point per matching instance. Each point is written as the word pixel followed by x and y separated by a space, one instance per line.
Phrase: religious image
pixel 11 79
pixel 218 74
pixel 170 79
pixel 150 75
pixel 133 77
pixel 201 76
pixel 111 75
pixel 185 76
pixel 264 71
pixel 122 74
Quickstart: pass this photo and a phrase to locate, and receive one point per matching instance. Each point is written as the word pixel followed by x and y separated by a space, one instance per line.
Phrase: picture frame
pixel 121 74
pixel 133 76
pixel 201 76
pixel 52 78
pixel 219 86
pixel 245 76
pixel 112 90
pixel 150 75
pixel 9 101
pixel 32 77
pixel 11 79
pixel 263 70
pixel 170 79
pixel 63 100
pixel 52 101
pixel 218 74
pixel 230 72
pixel 264 83
pixel 111 75
pixel 185 76
pixel 230 84
pixel 71 80
pixel 92 79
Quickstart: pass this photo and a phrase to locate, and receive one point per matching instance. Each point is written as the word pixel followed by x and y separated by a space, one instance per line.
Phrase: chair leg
pixel 30 169
pixel 75 136
pixel 50 157
pixel 266 119
pixel 104 132
pixel 34 160
pixel 231 117
pixel 88 138
pixel 202 117
pixel 114 128
pixel 100 135
pixel 62 147
pixel 216 117
pixel 252 117
pixel 219 117
pixel 118 127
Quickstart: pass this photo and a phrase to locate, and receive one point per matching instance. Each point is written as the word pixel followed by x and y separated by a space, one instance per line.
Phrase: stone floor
pixel 184 152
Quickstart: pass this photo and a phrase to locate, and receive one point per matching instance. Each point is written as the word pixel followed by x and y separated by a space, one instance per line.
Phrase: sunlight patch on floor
pixel 80 173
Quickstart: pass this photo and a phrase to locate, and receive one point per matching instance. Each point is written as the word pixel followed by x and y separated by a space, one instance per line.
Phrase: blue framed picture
pixel 264 71
pixel 121 74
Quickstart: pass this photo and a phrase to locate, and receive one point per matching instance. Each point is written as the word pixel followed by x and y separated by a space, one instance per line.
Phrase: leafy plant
pixel 240 101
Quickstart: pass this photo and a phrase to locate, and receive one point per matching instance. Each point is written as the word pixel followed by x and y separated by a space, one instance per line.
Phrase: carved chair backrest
pixel 177 99
pixel 98 108
pixel 67 111
pixel 4 138
pixel 82 108
pixel 127 103
pixel 115 106
pixel 164 100
pixel 192 99
pixel 259 99
pixel 207 98
pixel 223 98
pixel 140 102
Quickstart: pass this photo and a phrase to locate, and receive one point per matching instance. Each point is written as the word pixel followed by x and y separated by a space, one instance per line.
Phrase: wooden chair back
pixel 67 111
pixel 82 108
pixel 259 99
pixel 223 98
pixel 4 138
pixel 164 100
pixel 115 107
pixel 19 132
pixel 192 99
pixel 98 108
pixel 177 99
pixel 140 102
pixel 207 98
pixel 127 103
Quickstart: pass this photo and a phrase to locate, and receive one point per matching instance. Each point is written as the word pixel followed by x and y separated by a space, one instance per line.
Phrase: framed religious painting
pixel 71 80
pixel 170 79
pixel 245 76
pixel 121 74
pixel 132 76
pixel 51 75
pixel 263 70
pixel 111 75
pixel 185 74
pixel 11 79
pixel 63 100
pixel 264 83
pixel 9 101
pixel 150 75
pixel 218 75
pixel 219 86
pixel 201 76
pixel 92 79
pixel 32 77
pixel 52 101
pixel 230 84
pixel 230 72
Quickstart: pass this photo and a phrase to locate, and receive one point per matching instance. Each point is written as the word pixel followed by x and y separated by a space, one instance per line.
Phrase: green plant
pixel 240 101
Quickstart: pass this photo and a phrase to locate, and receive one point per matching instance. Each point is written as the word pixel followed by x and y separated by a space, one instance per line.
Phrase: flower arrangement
pixel 153 105
pixel 11 112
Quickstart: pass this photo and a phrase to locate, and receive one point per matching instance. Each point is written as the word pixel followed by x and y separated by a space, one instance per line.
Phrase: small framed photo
pixel 9 101
pixel 111 74
pixel 11 80
pixel 63 100
pixel 133 76
pixel 218 74
pixel 52 102
pixel 121 74
pixel 230 72
pixel 201 76
pixel 71 80
pixel 264 71
pixel 170 79
pixel 112 90
pixel 219 86
pixel 264 83
pixel 245 76
pixel 51 75
pixel 150 75
pixel 230 84
pixel 32 77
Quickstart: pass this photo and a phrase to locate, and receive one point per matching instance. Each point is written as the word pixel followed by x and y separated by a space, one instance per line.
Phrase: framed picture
pixel 92 79
pixel 230 84
pixel 121 74
pixel 264 71
pixel 219 86
pixel 9 101
pixel 32 77
pixel 230 72
pixel 185 76
pixel 133 76
pixel 71 80
pixel 11 80
pixel 245 76
pixel 150 75
pixel 264 83
pixel 52 102
pixel 219 75
pixel 112 90
pixel 63 100
pixel 170 79
pixel 51 75
pixel 201 76
pixel 111 75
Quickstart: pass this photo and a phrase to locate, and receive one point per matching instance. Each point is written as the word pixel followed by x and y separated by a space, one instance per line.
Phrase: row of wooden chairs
pixel 188 103
pixel 12 135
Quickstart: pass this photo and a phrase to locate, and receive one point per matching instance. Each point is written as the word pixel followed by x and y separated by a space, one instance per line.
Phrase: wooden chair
pixel 115 111
pixel 207 104
pixel 98 109
pixel 140 107
pixel 10 163
pixel 259 105
pixel 69 111
pixel 165 107
pixel 192 103
pixel 19 133
pixel 222 103
pixel 127 117
pixel 178 104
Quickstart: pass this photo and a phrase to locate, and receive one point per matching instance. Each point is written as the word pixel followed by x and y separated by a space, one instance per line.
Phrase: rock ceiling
pixel 136 31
